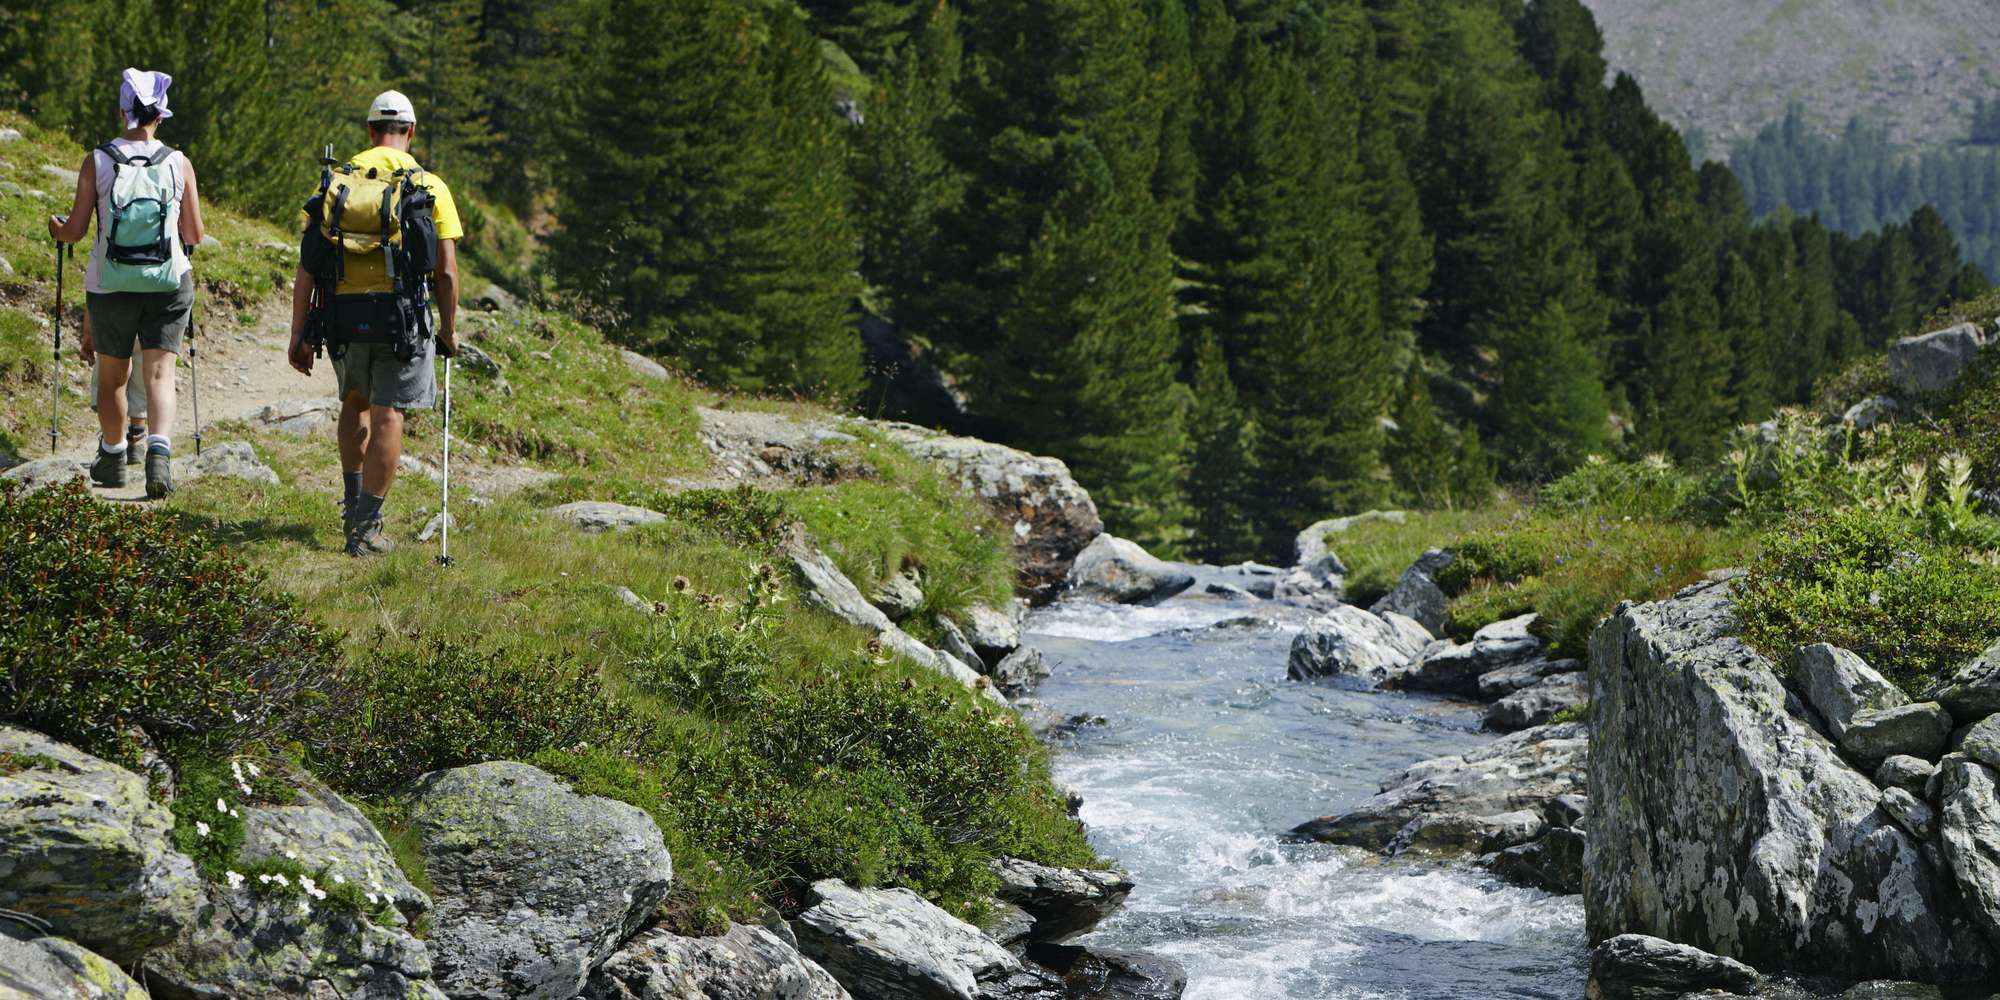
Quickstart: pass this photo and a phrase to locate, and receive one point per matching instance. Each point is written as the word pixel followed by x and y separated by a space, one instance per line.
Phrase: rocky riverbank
pixel 530 891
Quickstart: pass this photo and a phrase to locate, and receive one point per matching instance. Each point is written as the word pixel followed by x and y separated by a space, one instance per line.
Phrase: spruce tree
pixel 1061 276
pixel 712 214
pixel 1422 448
pixel 1222 469
pixel 1549 405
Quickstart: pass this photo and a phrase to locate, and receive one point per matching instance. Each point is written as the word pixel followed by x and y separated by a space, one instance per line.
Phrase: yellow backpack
pixel 359 212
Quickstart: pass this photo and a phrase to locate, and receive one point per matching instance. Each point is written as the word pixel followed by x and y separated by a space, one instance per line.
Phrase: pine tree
pixel 1061 278
pixel 1549 405
pixel 1422 449
pixel 1222 471
pixel 713 214
pixel 438 58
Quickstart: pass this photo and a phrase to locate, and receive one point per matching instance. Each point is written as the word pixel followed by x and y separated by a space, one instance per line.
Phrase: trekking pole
pixel 444 525
pixel 55 355
pixel 194 373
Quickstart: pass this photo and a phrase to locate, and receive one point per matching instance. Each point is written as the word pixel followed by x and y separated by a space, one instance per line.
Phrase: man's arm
pixel 300 353
pixel 447 297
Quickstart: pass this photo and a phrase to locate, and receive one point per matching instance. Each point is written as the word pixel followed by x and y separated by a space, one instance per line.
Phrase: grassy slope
pixel 527 588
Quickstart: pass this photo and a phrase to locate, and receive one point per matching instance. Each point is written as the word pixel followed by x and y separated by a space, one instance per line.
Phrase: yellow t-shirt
pixel 366 272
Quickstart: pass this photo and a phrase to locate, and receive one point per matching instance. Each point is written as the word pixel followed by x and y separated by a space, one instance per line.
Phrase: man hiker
pixel 380 237
pixel 139 287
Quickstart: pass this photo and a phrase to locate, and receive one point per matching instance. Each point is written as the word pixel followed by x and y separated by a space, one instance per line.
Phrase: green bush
pixel 113 617
pixel 1875 581
pixel 447 703
pixel 1652 488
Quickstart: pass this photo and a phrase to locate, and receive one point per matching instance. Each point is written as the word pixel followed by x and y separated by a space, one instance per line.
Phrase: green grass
pixel 1377 552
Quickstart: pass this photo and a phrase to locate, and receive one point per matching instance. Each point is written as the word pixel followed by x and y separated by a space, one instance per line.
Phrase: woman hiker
pixel 139 287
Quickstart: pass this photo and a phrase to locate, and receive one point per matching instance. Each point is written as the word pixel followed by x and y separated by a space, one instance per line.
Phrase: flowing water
pixel 1207 755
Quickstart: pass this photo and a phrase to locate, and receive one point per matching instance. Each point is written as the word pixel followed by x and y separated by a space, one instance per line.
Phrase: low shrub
pixel 114 618
pixel 1880 582
pixel 1652 488
pixel 444 703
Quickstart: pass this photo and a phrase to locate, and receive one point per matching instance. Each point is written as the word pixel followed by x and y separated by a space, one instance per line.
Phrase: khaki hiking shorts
pixel 374 371
pixel 153 321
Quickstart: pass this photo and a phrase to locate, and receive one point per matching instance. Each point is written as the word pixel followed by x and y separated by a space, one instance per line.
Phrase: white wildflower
pixel 222 807
pixel 252 768
pixel 200 828
pixel 291 855
pixel 265 879
pixel 282 880
pixel 235 879
pixel 370 897
pixel 338 878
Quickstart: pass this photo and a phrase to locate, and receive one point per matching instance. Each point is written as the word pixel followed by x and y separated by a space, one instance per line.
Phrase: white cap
pixel 391 106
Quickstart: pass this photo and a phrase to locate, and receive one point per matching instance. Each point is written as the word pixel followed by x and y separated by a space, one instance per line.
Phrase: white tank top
pixel 105 176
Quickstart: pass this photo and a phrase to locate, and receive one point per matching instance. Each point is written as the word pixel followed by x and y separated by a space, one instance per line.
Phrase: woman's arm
pixel 192 231
pixel 82 207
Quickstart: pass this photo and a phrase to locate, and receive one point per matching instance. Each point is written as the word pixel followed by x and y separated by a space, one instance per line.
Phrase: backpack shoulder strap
pixel 110 149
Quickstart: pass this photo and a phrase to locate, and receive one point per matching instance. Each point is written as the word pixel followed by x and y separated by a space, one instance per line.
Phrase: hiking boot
pixel 135 445
pixel 108 470
pixel 366 538
pixel 159 474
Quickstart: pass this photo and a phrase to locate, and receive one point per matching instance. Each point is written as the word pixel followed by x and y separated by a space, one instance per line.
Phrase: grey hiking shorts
pixel 374 371
pixel 154 321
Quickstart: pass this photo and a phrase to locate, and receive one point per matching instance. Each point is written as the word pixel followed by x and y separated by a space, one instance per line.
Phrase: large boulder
pixel 1114 569
pixel 1918 730
pixel 1969 795
pixel 1972 692
pixel 1552 864
pixel 1417 595
pixel 45 472
pixel 1455 668
pixel 1638 967
pixel 1497 684
pixel 1838 684
pixel 1490 799
pixel 1345 641
pixel 277 943
pixel 85 848
pixel 324 830
pixel 1537 704
pixel 1062 902
pixel 1722 819
pixel 892 944
pixel 1933 362
pixel 53 968
pixel 1051 517
pixel 603 515
pixel 746 963
pixel 534 884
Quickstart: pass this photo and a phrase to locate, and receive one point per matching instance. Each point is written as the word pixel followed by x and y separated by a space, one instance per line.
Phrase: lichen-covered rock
pixel 323 830
pixel 1052 517
pixel 534 884
pixel 1417 595
pixel 1311 544
pixel 1472 800
pixel 892 944
pixel 1982 741
pixel 899 596
pixel 1345 641
pixel 46 472
pixel 84 847
pixel 603 515
pixel 1911 774
pixel 1969 829
pixel 1972 692
pixel 1553 863
pixel 1114 569
pixel 826 587
pixel 1721 819
pixel 1638 967
pixel 284 946
pixel 1456 668
pixel 1918 730
pixel 1536 705
pixel 1064 902
pixel 53 968
pixel 1933 362
pixel 1020 671
pixel 1838 684
pixel 230 459
pixel 994 632
pixel 1497 684
pixel 746 963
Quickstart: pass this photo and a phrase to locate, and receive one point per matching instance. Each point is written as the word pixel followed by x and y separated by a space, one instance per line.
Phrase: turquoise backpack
pixel 138 249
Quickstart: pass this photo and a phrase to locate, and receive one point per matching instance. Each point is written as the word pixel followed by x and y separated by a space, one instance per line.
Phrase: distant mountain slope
pixel 1726 68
